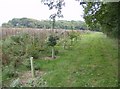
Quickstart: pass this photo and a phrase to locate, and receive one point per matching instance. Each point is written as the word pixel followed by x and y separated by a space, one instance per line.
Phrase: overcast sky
pixel 34 9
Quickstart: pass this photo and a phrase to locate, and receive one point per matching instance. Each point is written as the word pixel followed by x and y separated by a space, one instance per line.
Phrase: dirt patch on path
pixel 50 58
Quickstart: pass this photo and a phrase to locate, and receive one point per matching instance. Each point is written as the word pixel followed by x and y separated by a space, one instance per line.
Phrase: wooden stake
pixel 32 67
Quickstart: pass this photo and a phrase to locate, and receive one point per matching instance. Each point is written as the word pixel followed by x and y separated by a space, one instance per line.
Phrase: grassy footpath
pixel 92 61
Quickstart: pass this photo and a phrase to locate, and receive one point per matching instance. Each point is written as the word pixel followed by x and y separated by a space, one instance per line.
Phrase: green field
pixel 91 62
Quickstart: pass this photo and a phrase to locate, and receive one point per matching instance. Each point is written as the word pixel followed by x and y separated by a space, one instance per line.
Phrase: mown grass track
pixel 91 62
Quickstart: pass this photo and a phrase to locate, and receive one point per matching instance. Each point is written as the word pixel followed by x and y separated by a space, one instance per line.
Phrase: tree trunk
pixel 53 53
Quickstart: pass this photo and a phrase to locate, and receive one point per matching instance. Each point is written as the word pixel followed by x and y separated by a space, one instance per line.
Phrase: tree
pixel 103 16
pixel 58 4
pixel 52 41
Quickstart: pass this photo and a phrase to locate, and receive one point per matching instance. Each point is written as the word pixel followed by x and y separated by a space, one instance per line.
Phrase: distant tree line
pixel 32 23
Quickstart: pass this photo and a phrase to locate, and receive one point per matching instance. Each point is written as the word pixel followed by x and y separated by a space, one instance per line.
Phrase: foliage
pixel 8 71
pixel 57 4
pixel 52 40
pixel 103 16
pixel 16 51
pixel 73 35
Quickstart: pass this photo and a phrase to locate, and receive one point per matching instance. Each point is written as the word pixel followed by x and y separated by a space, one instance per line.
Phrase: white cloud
pixel 34 9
